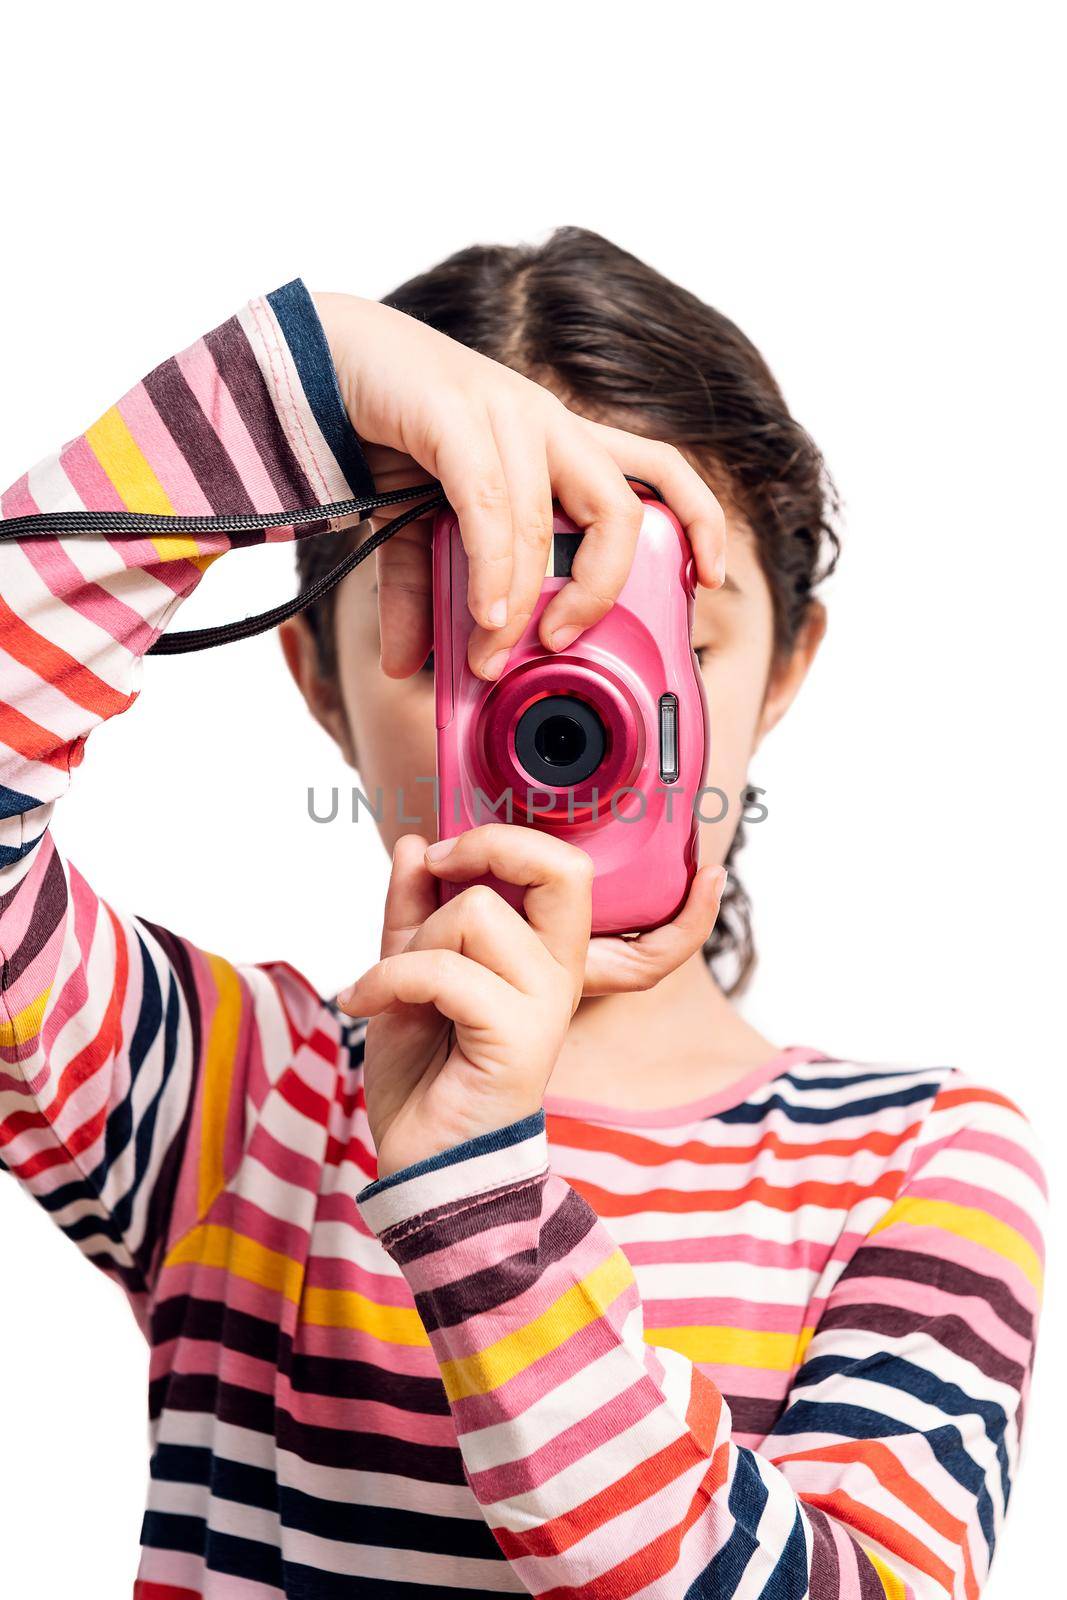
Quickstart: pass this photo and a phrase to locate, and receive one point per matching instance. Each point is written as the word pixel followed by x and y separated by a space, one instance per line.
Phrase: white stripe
pixel 461 1180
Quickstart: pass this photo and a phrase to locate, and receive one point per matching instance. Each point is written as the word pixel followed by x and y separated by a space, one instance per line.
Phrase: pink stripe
pixel 368 1416
pixel 162 454
pixel 18 501
pixel 510 1399
pixel 404 1360
pixel 978 1198
pixel 809 1254
pixel 94 488
pixel 202 375
pixel 1004 1149
pixel 907 1236
pixel 299 1170
pixel 89 600
pixel 285 1236
pixel 345 1277
pixel 589 1433
pixel 717 1312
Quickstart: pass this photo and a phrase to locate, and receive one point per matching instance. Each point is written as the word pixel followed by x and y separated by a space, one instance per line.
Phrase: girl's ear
pixel 788 675
pixel 321 693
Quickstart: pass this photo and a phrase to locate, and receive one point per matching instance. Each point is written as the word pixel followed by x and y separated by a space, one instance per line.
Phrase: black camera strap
pixel 141 525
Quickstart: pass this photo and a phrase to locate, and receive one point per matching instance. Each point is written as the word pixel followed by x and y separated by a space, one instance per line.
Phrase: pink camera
pixel 605 744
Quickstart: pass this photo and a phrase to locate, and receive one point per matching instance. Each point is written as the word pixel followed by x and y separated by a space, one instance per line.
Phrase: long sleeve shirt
pixel 776 1342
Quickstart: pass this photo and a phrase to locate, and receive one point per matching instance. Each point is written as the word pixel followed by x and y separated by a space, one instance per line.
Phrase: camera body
pixel 605 744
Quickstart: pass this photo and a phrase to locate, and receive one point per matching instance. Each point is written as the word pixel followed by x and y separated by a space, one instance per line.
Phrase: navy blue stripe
pixel 723 1573
pixel 10 853
pixel 295 311
pixel 789 1580
pixel 13 803
pixel 756 1110
pixel 485 1144
pixel 946 1441
pixel 848 1079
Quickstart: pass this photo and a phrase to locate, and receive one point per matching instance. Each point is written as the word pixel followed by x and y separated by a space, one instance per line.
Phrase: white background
pixel 873 194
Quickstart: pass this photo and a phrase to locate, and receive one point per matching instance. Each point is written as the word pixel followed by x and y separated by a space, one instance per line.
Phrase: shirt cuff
pixel 327 420
pixel 426 1191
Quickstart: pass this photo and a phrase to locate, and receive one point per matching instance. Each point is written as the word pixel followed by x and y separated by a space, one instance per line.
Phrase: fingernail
pixel 346 996
pixel 498 614
pixel 438 851
pixel 724 878
pixel 494 666
pixel 563 637
pixel 720 571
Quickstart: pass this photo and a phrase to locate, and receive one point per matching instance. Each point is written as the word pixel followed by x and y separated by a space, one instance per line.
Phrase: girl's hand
pixel 503 447
pixel 470 1003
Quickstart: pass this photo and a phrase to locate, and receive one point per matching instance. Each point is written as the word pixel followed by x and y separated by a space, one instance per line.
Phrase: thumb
pixel 412 894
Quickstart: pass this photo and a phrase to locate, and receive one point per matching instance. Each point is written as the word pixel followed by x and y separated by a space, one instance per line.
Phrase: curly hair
pixel 618 341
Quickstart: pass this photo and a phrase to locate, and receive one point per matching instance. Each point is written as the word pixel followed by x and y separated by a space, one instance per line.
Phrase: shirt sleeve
pixel 123 1048
pixel 605 1467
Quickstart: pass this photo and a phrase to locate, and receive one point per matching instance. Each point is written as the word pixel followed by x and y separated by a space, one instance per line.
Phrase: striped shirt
pixel 777 1342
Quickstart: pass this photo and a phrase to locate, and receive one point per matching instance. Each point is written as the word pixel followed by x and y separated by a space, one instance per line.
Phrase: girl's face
pixel 385 726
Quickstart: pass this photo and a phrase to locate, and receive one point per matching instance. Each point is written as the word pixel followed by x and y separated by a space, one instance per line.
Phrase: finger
pixel 405 600
pixel 525 467
pixel 683 489
pixel 557 878
pixel 616 966
pixel 468 994
pixel 471 474
pixel 480 924
pixel 411 896
pixel 595 495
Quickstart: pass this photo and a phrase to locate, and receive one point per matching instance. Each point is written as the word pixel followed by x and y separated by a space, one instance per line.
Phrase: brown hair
pixel 618 341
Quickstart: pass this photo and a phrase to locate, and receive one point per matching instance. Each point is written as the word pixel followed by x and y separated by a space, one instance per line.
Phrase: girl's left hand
pixel 470 1002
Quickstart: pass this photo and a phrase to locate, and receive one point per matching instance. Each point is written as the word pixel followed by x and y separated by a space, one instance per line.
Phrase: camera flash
pixel 668 737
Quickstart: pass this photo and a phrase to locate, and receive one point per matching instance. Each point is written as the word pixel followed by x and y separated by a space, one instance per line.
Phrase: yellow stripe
pixel 582 1304
pixel 735 1347
pixel 893 1586
pixel 25 1024
pixel 345 1308
pixel 218 1080
pixel 137 486
pixel 968 1222
pixel 212 1246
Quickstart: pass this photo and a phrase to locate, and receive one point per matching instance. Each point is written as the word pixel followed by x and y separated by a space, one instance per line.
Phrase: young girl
pixel 557 1276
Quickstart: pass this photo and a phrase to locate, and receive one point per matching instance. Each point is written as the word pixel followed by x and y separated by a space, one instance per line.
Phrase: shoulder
pixel 924 1109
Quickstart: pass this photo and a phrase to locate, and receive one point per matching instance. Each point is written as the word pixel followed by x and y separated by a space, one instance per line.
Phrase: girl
pixel 555 1276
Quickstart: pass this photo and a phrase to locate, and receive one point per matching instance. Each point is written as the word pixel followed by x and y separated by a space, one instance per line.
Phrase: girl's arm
pixel 123 1048
pixel 130 1061
pixel 605 1466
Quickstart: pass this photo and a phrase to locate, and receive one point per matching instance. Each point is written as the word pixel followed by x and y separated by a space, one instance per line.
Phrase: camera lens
pixel 560 741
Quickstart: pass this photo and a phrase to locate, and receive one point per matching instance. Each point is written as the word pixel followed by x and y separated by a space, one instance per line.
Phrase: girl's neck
pixel 658 1047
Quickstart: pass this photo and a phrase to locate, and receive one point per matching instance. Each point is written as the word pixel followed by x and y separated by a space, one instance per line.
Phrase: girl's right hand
pixel 503 448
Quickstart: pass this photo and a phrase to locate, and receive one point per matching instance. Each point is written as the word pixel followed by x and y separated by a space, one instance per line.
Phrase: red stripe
pixel 788 1198
pixel 644 1481
pixel 656 1558
pixel 33 742
pixel 58 667
pixel 567 1133
pixel 884 1531
pixel 143 1590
